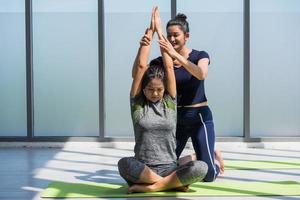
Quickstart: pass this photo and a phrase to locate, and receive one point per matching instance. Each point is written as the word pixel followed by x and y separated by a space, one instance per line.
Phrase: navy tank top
pixel 190 90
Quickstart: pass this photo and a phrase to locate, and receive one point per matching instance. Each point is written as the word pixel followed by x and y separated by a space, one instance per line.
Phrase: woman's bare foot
pixel 183 188
pixel 139 188
pixel 220 161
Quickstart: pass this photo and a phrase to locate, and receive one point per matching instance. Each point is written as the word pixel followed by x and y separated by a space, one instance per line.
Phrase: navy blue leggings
pixel 197 123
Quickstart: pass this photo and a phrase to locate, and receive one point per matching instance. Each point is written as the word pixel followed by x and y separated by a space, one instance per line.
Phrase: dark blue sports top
pixel 190 90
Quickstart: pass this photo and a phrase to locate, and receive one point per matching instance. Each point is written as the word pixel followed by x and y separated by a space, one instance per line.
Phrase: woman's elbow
pixel 139 68
pixel 142 66
pixel 201 76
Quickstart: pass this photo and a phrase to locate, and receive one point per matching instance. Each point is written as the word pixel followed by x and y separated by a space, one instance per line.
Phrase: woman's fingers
pixel 157 19
pixel 149 32
pixel 157 13
pixel 146 40
pixel 167 47
pixel 163 45
pixel 152 23
pixel 144 43
pixel 162 42
pixel 146 37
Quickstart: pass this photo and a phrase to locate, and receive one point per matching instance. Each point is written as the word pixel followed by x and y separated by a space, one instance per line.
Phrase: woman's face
pixel 177 37
pixel 154 90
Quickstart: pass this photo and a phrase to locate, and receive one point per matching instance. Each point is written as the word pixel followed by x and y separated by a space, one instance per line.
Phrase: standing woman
pixel 194 117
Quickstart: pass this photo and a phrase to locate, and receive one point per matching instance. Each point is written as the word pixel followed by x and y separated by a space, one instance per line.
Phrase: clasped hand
pixel 155 26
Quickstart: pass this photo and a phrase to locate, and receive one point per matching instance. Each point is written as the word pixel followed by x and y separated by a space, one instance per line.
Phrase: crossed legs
pixel 142 179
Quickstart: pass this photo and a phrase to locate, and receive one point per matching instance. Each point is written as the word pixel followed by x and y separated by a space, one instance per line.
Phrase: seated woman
pixel 153 109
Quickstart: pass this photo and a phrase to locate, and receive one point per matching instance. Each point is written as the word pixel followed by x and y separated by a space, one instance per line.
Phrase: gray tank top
pixel 154 130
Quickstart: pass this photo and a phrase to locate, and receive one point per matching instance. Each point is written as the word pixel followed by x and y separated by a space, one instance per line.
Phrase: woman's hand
pixel 147 38
pixel 152 22
pixel 157 21
pixel 140 64
pixel 167 46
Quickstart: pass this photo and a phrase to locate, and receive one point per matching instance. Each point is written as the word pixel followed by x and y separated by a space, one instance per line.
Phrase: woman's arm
pixel 145 41
pixel 140 65
pixel 141 60
pixel 200 71
pixel 168 62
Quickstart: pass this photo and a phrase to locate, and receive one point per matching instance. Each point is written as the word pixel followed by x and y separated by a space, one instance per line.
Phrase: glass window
pixel 125 24
pixel 65 65
pixel 217 27
pixel 12 68
pixel 275 61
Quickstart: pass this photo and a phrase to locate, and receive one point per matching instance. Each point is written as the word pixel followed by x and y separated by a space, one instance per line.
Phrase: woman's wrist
pixel 150 31
pixel 159 31
pixel 175 55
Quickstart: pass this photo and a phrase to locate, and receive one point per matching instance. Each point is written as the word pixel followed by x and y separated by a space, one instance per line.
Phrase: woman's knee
pixel 211 175
pixel 123 165
pixel 130 168
pixel 200 169
pixel 192 172
pixel 122 161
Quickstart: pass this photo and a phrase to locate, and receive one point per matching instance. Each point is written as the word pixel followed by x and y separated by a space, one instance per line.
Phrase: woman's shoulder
pixel 200 53
pixel 196 55
pixel 170 101
pixel 137 101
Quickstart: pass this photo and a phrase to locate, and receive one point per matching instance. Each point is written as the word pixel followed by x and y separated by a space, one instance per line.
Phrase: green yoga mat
pixel 233 188
pixel 261 164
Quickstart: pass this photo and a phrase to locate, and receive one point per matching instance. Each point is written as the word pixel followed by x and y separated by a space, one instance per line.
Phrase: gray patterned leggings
pixel 130 169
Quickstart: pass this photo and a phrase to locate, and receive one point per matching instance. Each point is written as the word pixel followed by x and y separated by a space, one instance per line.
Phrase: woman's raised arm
pixel 141 60
pixel 168 62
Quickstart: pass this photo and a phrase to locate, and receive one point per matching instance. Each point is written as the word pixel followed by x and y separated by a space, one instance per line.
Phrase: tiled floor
pixel 25 172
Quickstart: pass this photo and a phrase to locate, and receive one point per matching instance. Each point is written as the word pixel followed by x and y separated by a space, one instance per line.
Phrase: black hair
pixel 155 70
pixel 179 20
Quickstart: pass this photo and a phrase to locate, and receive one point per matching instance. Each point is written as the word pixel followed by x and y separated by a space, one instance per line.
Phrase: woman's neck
pixel 185 51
